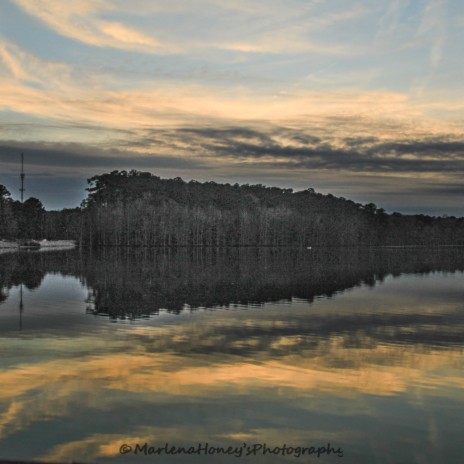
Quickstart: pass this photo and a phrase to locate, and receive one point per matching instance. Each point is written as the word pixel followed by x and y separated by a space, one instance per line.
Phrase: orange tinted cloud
pixel 80 21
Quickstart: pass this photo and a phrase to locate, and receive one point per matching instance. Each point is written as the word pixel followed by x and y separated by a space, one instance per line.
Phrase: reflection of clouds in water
pixel 128 374
pixel 246 370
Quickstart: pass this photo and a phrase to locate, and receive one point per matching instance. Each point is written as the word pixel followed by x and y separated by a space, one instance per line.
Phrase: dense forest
pixel 140 209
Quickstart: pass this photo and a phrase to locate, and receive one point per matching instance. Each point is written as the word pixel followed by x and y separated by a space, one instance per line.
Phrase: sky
pixel 361 99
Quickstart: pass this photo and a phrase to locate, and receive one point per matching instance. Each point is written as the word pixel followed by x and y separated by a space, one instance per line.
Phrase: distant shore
pixel 8 245
pixel 17 244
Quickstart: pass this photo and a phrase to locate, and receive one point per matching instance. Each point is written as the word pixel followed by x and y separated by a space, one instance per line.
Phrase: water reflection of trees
pixel 132 284
pixel 17 269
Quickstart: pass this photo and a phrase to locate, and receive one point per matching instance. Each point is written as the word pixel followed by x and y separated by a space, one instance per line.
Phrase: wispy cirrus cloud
pixel 433 25
pixel 62 92
pixel 263 28
pixel 82 20
pixel 22 67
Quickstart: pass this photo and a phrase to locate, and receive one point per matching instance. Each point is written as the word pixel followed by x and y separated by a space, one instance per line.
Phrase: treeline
pixel 139 209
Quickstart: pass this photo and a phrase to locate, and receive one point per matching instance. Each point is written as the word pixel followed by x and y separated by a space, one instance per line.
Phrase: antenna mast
pixel 22 178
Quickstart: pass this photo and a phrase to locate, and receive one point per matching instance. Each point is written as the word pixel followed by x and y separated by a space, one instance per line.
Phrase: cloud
pixel 12 63
pixel 390 21
pixel 64 94
pixel 80 21
pixel 73 155
pixel 205 147
pixel 28 68
pixel 292 28
pixel 310 149
pixel 285 42
pixel 280 27
pixel 433 25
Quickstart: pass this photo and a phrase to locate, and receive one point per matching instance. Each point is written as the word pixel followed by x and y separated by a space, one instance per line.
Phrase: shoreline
pixel 39 244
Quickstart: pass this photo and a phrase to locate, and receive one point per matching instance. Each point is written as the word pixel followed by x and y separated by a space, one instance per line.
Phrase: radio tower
pixel 22 178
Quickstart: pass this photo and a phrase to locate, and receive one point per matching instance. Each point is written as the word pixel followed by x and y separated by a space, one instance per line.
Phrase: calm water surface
pixel 359 349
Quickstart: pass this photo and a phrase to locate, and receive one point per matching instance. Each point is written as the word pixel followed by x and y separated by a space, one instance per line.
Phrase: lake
pixel 233 355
